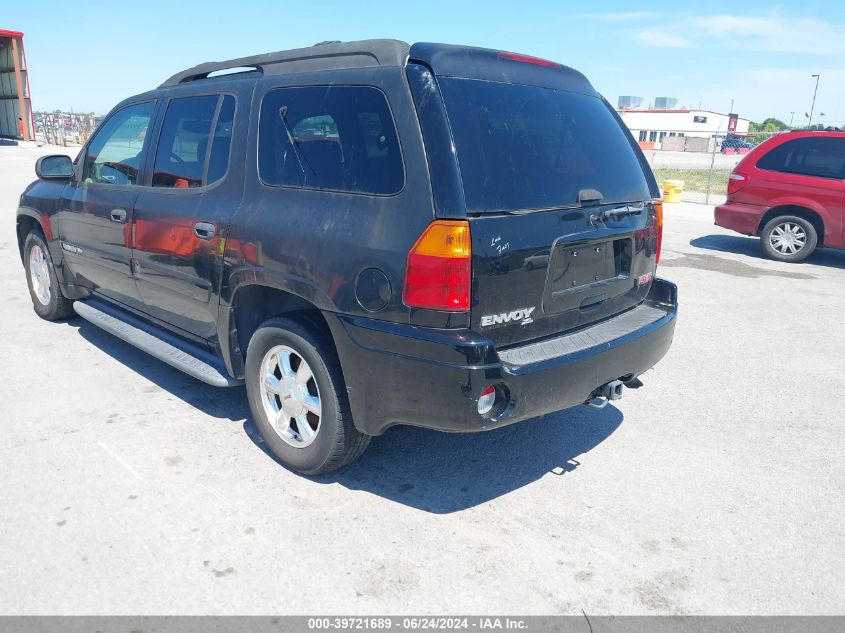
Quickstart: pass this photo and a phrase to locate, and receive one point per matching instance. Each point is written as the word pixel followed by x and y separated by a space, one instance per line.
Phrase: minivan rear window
pixel 524 147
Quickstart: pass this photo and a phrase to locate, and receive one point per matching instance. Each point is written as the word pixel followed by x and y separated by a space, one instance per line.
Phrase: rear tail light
pixel 737 182
pixel 658 219
pixel 439 270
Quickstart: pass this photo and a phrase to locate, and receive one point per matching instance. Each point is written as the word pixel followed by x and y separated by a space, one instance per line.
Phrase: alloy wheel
pixel 39 275
pixel 290 396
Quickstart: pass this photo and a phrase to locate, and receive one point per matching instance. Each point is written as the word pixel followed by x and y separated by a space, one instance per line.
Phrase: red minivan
pixel 790 190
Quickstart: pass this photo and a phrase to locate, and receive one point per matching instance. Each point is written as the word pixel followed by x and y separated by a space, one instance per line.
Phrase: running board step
pixel 195 363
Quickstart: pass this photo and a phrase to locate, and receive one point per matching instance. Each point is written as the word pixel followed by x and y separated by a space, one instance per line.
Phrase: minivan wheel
pixel 789 238
pixel 47 298
pixel 298 398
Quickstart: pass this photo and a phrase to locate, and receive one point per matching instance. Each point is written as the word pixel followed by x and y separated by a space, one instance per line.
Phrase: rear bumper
pixel 742 218
pixel 401 374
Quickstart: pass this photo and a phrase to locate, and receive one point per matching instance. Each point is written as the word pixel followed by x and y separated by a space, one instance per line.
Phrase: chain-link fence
pixel 64 128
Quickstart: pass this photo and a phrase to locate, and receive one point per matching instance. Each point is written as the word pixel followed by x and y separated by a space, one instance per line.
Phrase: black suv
pixel 352 230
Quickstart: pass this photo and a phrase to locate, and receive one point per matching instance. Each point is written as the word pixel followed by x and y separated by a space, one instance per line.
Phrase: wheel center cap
pixel 291 396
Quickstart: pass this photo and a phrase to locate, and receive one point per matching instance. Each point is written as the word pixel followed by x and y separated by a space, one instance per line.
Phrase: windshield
pixel 523 147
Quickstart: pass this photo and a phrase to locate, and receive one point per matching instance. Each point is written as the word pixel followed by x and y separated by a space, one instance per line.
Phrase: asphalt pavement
pixel 128 487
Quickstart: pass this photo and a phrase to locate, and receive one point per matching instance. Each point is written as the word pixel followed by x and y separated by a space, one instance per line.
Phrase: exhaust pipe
pixel 606 393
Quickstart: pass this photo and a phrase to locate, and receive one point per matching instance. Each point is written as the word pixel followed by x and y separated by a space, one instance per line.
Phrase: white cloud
pixel 661 39
pixel 775 33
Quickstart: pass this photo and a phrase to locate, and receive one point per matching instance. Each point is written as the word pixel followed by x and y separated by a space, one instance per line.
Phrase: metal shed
pixel 14 87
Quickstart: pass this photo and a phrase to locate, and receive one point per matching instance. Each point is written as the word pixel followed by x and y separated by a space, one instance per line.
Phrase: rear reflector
pixel 487 400
pixel 737 182
pixel 527 59
pixel 438 270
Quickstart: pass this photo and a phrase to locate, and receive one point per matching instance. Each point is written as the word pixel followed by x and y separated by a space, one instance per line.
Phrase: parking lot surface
pixel 128 487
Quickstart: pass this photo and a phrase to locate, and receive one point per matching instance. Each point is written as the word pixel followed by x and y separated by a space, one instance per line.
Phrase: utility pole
pixel 810 124
pixel 791 116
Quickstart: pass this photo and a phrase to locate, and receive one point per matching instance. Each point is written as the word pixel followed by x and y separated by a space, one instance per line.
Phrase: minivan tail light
pixel 737 182
pixel 438 272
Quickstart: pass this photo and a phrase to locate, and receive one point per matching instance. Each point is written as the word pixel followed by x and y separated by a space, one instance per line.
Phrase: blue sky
pixel 88 56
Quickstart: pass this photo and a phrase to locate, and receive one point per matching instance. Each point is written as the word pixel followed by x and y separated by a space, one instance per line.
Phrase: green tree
pixel 764 130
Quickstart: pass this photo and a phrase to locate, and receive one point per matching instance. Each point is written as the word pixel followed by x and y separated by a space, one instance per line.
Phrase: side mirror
pixel 54 167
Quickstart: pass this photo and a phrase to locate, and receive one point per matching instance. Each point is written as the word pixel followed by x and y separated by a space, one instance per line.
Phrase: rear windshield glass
pixel 523 147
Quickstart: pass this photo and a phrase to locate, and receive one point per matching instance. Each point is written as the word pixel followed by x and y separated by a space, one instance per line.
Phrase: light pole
pixel 810 124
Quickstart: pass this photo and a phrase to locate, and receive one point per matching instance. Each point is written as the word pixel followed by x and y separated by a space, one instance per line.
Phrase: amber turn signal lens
pixel 439 270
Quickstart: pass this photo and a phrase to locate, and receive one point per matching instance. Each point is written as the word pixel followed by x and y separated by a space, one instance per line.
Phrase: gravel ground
pixel 128 487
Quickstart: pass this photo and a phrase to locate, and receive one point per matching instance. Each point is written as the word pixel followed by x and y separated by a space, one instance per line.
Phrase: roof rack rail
pixel 321 56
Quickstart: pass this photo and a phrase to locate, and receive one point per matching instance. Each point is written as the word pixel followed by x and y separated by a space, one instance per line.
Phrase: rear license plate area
pixel 587 273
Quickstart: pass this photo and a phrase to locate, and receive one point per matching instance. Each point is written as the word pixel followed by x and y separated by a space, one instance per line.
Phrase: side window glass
pixel 822 157
pixel 825 157
pixel 776 159
pixel 113 156
pixel 339 138
pixel 183 142
pixel 323 126
pixel 218 162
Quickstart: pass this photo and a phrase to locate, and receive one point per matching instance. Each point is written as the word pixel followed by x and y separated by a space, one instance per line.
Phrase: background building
pixel 677 128
pixel 14 87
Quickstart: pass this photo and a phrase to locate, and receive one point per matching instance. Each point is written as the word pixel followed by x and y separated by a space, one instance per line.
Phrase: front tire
pixel 47 298
pixel 297 397
pixel 788 238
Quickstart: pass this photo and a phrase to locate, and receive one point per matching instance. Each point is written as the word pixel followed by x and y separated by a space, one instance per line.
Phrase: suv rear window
pixel 338 138
pixel 524 147
pixel 823 157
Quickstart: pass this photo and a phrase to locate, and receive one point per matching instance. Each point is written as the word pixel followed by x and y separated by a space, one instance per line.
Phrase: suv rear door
pixel 181 219
pixel 558 199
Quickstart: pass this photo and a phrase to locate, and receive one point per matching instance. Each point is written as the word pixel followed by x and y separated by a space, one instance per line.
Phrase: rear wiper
pixel 615 214
pixel 283 112
pixel 590 195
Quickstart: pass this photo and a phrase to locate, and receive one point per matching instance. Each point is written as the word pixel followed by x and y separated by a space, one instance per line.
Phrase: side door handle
pixel 118 215
pixel 204 230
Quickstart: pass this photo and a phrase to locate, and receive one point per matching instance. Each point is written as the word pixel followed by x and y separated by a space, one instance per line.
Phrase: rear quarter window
pixel 821 157
pixel 336 138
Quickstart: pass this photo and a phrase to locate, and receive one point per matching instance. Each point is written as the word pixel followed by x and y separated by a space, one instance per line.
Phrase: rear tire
pixel 298 400
pixel 47 298
pixel 788 238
